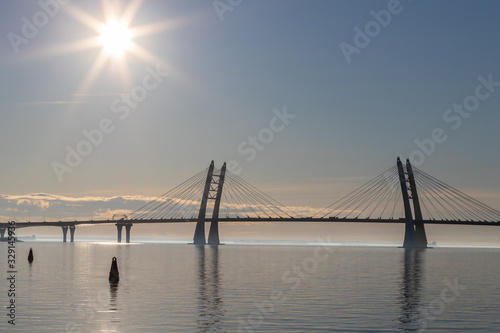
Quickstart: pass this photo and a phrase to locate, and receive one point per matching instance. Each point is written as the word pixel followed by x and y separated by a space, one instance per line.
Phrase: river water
pixel 248 288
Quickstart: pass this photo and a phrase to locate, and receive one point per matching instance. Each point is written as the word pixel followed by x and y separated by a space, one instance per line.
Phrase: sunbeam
pixel 116 36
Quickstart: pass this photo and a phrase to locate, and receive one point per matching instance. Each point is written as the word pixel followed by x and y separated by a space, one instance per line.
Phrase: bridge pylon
pixel 213 236
pixel 199 232
pixel 212 191
pixel 410 240
pixel 419 224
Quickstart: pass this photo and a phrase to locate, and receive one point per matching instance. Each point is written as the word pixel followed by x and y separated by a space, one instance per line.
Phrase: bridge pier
pixel 213 234
pixel 2 233
pixel 128 226
pixel 420 234
pixel 72 229
pixel 65 232
pixel 119 227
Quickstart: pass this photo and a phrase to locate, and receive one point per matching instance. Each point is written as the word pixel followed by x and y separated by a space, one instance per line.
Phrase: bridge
pixel 218 195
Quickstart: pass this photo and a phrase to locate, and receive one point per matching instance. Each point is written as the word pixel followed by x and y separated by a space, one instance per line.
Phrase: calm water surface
pixel 184 288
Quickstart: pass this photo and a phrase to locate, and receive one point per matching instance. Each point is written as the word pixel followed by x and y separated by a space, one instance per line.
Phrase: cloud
pixel 51 102
pixel 80 98
pixel 95 95
pixel 51 207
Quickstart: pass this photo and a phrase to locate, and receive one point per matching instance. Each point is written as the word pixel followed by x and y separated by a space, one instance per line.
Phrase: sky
pixel 330 91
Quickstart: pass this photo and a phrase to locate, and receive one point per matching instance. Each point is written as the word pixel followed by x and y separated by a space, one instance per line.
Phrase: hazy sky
pixel 333 92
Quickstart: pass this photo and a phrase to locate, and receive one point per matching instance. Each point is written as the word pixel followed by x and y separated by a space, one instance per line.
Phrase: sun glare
pixel 115 38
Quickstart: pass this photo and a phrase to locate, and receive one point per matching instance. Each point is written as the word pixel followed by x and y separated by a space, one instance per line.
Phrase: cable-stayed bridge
pixel 401 194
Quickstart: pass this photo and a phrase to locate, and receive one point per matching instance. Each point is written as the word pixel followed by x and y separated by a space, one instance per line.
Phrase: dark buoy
pixel 30 256
pixel 114 276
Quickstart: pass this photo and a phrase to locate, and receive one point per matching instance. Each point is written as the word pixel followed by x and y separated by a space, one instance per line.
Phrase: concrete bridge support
pixel 65 232
pixel 410 240
pixel 420 234
pixel 72 229
pixel 119 227
pixel 199 232
pixel 212 191
pixel 128 226
pixel 213 235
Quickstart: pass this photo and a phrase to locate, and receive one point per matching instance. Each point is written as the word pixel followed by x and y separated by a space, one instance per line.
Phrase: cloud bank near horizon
pixel 52 207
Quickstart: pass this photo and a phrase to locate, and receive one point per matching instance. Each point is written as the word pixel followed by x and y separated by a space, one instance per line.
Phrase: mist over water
pixel 252 288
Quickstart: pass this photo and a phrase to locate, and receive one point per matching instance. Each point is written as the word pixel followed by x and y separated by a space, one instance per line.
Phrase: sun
pixel 115 38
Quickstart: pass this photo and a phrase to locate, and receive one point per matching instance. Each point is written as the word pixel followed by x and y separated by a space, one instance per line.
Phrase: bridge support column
pixel 2 233
pixel 199 233
pixel 213 236
pixel 65 232
pixel 72 229
pixel 420 234
pixel 128 226
pixel 410 240
pixel 119 227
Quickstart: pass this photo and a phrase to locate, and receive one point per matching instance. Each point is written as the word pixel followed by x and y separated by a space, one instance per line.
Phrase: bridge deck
pixel 244 219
